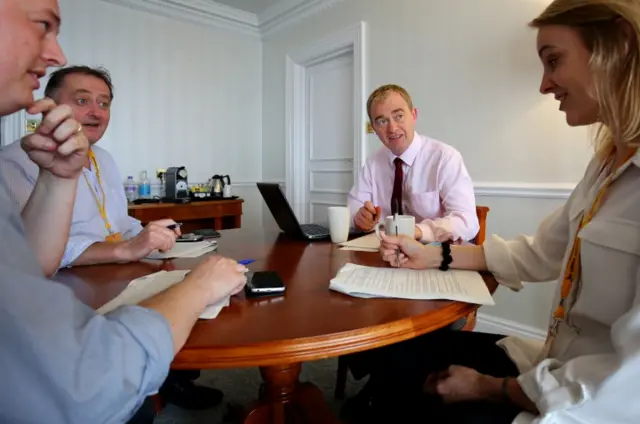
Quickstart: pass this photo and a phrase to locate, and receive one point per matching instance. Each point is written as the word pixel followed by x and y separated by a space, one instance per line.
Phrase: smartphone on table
pixel 264 283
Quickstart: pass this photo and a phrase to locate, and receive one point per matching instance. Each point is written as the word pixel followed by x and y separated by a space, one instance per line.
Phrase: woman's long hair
pixel 615 62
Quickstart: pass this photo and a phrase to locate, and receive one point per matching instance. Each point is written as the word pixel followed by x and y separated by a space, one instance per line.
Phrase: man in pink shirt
pixel 419 176
pixel 414 174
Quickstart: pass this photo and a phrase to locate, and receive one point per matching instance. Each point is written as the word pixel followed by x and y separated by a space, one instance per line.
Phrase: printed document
pixel 363 281
pixel 145 287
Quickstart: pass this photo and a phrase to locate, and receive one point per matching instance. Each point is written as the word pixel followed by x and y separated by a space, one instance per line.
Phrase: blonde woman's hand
pixel 405 252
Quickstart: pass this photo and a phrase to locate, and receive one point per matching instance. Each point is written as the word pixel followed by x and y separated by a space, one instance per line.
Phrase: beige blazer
pixel 592 374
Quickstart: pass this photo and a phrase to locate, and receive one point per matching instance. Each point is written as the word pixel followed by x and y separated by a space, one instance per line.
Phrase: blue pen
pixel 246 261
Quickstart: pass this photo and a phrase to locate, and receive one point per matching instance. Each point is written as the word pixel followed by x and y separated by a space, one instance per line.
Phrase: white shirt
pixel 87 226
pixel 592 374
pixel 436 189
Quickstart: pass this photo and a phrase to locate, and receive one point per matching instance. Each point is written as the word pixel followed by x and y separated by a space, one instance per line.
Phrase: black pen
pixel 174 226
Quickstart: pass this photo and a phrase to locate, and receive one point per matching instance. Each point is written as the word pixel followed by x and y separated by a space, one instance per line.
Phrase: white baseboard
pixel 490 324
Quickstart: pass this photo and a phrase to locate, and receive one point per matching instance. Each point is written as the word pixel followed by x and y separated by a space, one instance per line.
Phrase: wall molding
pixel 13 127
pixel 286 12
pixel 217 15
pixel 491 324
pixel 515 189
pixel 524 190
pixel 204 12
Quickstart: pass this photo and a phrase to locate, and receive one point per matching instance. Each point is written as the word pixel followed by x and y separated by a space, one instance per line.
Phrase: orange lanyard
pixel 572 270
pixel 102 205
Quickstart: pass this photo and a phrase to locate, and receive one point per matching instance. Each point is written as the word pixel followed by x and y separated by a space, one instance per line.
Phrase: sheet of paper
pixel 186 250
pixel 145 287
pixel 362 281
pixel 368 243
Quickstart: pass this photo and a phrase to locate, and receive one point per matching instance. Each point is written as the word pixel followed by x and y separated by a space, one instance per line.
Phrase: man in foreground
pixel 101 229
pixel 62 362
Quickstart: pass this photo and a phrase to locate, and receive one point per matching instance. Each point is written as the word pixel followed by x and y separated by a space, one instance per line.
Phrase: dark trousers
pixel 398 378
pixel 361 363
pixel 147 411
pixel 145 414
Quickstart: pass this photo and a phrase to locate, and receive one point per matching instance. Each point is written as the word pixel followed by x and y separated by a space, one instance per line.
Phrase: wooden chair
pixel 343 366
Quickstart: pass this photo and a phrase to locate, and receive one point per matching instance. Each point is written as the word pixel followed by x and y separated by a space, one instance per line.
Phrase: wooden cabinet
pixel 216 214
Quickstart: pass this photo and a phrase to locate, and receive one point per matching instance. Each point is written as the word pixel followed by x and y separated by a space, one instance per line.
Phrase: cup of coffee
pixel 401 225
pixel 339 220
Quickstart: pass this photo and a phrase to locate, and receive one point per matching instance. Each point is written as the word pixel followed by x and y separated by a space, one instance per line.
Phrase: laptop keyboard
pixel 314 230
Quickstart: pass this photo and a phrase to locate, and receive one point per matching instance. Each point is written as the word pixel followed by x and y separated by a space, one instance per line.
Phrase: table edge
pixel 321 347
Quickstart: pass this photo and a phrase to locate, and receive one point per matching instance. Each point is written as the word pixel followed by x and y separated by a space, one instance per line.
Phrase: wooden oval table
pixel 277 334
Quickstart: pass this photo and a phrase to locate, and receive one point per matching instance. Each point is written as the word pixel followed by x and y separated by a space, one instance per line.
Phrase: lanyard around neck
pixel 572 270
pixel 102 205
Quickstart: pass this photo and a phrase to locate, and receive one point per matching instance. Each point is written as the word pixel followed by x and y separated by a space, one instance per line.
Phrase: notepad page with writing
pixel 362 281
pixel 148 286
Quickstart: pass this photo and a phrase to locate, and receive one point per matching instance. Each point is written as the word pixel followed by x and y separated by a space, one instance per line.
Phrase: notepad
pixel 148 286
pixel 186 250
pixel 368 243
pixel 363 281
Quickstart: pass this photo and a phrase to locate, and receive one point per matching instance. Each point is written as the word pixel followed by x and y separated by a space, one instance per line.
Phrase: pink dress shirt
pixel 437 189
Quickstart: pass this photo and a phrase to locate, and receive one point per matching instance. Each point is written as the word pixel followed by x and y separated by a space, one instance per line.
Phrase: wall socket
pixel 31 125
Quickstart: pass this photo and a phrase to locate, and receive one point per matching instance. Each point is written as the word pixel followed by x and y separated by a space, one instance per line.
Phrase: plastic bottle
pixel 131 189
pixel 144 189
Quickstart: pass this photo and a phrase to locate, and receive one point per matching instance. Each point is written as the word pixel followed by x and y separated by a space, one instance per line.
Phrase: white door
pixel 329 136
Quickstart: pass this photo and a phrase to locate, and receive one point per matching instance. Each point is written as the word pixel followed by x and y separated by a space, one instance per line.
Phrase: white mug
pixel 226 191
pixel 339 220
pixel 402 225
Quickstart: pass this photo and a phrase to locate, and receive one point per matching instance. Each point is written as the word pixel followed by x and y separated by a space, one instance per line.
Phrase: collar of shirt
pixel 409 156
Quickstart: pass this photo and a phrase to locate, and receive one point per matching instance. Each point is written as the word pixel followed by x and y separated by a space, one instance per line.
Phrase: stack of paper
pixel 186 250
pixel 368 243
pixel 364 281
pixel 145 287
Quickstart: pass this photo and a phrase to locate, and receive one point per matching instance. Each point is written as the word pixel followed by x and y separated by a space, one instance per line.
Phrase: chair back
pixel 482 212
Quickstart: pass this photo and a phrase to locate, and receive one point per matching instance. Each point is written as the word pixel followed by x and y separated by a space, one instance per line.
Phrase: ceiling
pixel 253 6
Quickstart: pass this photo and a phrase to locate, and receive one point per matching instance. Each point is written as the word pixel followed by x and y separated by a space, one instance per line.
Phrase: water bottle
pixel 130 189
pixel 144 189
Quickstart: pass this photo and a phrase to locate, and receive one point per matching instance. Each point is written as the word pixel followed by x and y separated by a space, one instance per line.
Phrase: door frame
pixel 350 40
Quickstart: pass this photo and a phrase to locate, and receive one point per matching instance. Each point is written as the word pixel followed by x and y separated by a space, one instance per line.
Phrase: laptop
pixel 285 217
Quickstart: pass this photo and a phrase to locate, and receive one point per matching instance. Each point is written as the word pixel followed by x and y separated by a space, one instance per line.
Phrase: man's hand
pixel 154 236
pixel 221 277
pixel 58 145
pixel 367 216
pixel 460 384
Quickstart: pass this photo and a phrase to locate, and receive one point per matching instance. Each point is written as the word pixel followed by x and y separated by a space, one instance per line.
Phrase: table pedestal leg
pixel 284 400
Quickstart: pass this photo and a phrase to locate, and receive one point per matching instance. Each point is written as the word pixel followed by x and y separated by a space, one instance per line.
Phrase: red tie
pixel 396 196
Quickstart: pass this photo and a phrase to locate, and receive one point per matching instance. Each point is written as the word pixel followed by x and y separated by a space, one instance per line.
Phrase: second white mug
pixel 404 224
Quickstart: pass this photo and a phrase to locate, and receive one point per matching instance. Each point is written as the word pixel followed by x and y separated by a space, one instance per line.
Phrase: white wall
pixel 185 94
pixel 473 72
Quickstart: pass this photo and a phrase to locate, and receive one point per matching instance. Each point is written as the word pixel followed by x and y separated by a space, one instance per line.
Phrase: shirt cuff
pixel 499 262
pixel 151 330
pixel 75 248
pixel 427 233
pixel 544 389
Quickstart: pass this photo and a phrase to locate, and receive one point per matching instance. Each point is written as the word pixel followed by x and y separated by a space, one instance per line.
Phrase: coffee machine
pixel 176 185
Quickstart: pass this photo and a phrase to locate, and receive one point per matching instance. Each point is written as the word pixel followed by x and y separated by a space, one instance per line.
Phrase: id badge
pixel 113 238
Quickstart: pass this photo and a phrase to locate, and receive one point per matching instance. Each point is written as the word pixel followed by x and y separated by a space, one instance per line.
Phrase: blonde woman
pixel 588 371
